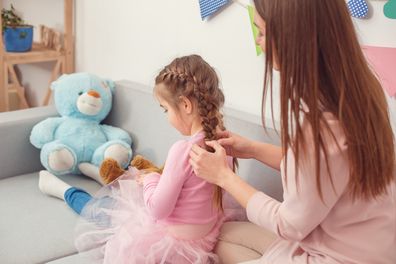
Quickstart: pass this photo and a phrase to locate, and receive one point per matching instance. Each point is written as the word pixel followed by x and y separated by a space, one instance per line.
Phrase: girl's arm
pixel 160 192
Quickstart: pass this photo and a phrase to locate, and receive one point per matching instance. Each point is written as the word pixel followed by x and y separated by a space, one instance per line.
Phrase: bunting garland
pixel 209 7
pixel 390 9
pixel 358 8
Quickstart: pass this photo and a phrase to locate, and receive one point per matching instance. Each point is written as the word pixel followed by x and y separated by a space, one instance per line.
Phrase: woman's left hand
pixel 212 167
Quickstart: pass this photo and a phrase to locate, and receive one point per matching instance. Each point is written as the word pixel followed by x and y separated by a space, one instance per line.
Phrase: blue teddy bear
pixel 76 142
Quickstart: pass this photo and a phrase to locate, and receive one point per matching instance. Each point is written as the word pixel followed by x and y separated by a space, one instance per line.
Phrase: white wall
pixel 130 39
pixel 134 39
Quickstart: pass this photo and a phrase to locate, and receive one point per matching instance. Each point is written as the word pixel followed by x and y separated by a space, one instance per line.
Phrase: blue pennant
pixel 208 7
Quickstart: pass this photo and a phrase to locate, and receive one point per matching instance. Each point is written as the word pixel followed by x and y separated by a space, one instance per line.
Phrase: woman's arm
pixel 238 188
pixel 302 209
pixel 268 154
pixel 240 147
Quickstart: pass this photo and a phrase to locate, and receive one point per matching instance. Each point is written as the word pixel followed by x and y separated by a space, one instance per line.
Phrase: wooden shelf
pixel 64 62
pixel 38 53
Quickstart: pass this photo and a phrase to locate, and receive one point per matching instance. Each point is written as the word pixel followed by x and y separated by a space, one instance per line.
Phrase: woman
pixel 337 159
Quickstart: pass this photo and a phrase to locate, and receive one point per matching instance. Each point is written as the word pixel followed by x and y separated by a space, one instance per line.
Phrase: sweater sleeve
pixel 302 209
pixel 160 192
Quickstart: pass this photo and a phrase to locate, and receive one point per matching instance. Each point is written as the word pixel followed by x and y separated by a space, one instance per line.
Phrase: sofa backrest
pixel 136 110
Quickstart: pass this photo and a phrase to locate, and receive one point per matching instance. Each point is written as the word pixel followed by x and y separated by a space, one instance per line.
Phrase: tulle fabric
pixel 115 227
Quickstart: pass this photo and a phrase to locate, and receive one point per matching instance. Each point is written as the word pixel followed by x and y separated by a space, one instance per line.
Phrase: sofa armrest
pixel 17 155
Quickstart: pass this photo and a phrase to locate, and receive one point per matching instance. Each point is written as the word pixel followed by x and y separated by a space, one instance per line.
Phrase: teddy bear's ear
pixel 54 84
pixel 109 84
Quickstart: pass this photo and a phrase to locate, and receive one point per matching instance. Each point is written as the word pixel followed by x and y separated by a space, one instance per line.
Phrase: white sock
pixel 52 185
pixel 91 171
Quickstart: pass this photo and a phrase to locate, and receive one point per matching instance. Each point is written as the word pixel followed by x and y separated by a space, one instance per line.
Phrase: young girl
pixel 337 159
pixel 175 217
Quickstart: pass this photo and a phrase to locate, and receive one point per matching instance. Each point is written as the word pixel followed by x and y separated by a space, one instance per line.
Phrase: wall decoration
pixel 383 61
pixel 254 29
pixel 390 9
pixel 209 7
pixel 358 8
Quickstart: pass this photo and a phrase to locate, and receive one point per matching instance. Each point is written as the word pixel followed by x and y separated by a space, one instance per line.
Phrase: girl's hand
pixel 139 177
pixel 212 167
pixel 236 145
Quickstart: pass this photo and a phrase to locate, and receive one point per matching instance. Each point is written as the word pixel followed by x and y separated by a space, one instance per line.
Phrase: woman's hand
pixel 212 167
pixel 236 145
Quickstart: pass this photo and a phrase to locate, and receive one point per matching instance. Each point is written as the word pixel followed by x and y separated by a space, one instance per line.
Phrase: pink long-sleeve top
pixel 336 230
pixel 178 196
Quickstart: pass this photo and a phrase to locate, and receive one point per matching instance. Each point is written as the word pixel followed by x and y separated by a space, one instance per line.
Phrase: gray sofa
pixel 35 228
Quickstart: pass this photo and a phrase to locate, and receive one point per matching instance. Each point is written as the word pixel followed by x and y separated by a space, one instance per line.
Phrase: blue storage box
pixel 18 39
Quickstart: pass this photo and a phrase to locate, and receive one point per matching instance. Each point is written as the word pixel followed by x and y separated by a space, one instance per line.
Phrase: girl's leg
pixel 76 199
pixel 53 186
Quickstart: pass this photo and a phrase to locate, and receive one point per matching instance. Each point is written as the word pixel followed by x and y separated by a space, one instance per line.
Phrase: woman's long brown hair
pixel 321 64
pixel 194 78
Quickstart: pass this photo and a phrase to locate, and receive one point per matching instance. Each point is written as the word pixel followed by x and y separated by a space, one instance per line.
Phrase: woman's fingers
pixel 225 141
pixel 223 134
pixel 215 145
pixel 197 150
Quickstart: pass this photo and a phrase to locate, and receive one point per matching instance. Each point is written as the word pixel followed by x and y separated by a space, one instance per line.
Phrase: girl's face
pixel 260 40
pixel 178 117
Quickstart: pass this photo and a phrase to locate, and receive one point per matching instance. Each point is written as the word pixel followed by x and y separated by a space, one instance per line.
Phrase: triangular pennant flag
pixel 254 29
pixel 208 7
pixel 390 9
pixel 358 8
pixel 383 61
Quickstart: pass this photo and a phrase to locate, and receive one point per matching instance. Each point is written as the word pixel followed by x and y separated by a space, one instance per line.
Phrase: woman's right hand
pixel 236 145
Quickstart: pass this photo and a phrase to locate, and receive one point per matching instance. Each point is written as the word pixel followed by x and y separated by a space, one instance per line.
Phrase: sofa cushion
pixel 72 259
pixel 36 228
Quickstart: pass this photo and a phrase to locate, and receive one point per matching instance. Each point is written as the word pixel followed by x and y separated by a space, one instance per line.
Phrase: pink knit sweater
pixel 335 230
pixel 178 196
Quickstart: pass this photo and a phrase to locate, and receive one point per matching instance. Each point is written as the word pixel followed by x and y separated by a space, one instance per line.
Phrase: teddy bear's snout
pixel 94 93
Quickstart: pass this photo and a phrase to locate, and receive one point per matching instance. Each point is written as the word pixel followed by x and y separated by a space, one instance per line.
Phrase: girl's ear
pixel 186 104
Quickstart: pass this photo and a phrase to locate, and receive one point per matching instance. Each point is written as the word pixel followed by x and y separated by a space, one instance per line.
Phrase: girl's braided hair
pixel 194 78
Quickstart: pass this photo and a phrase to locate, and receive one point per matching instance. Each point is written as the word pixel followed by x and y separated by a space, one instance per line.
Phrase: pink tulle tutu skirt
pixel 115 227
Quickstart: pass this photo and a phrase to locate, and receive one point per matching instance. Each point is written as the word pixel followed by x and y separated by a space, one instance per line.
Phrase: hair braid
pixel 195 79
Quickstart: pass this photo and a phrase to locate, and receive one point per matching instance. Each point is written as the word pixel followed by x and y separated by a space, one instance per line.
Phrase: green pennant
pixel 254 29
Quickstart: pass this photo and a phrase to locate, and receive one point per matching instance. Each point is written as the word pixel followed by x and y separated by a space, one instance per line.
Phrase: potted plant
pixel 17 36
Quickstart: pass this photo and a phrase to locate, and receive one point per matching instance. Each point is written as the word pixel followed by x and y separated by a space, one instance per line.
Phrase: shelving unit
pixel 64 62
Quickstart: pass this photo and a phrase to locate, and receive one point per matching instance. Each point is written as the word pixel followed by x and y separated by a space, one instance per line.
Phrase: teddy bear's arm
pixel 44 131
pixel 115 133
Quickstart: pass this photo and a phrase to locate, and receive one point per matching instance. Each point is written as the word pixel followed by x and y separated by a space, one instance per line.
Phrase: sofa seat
pixel 36 228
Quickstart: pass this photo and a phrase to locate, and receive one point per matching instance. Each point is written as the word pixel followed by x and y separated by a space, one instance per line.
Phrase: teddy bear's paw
pixel 110 170
pixel 61 160
pixel 119 153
